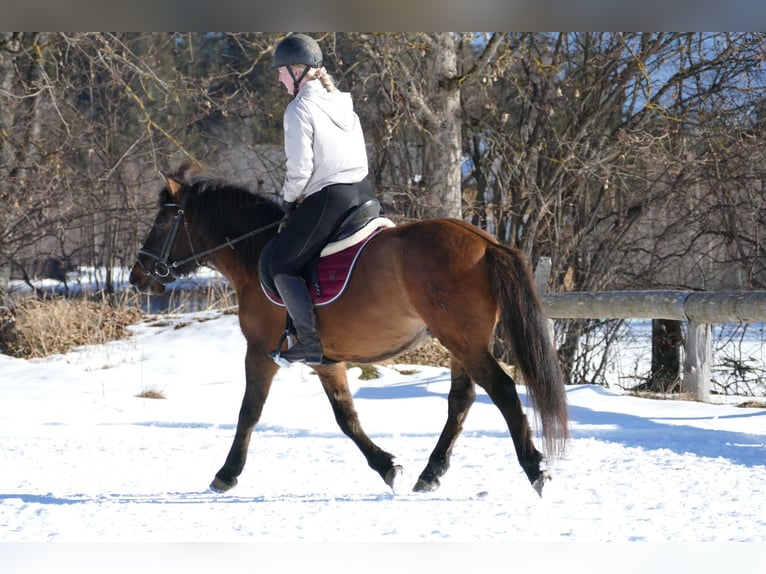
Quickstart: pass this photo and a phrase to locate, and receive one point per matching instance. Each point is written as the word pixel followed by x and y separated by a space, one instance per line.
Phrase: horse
pixel 441 278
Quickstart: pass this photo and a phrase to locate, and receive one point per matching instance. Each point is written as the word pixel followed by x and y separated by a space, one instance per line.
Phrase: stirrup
pixel 277 357
pixel 285 336
pixel 302 355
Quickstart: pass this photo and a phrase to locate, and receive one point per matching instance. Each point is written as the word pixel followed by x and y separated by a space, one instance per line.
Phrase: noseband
pixel 163 267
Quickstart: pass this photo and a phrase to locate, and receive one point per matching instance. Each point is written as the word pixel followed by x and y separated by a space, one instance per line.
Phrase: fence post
pixel 699 358
pixel 542 273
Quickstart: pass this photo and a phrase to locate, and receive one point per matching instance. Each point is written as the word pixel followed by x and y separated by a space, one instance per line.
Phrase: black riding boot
pixel 300 306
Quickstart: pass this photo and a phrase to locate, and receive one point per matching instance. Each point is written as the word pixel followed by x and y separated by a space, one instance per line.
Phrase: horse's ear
pixel 173 186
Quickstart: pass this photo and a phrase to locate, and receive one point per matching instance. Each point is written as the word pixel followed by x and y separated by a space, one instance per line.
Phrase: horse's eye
pixel 166 219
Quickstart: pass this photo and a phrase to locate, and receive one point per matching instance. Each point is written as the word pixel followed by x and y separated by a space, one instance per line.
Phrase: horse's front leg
pixel 259 373
pixel 335 385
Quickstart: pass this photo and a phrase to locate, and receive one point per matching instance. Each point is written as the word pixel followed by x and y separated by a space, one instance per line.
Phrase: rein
pixel 164 268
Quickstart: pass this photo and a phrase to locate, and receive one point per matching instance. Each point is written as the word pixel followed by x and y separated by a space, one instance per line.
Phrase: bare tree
pixel 88 119
pixel 632 160
pixel 415 83
pixel 590 148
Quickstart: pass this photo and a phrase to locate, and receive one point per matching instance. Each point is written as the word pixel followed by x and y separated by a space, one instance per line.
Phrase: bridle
pixel 163 267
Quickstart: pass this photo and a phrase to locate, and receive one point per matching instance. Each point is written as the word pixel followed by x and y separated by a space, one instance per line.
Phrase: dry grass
pixel 51 326
pixel 432 353
pixel 368 373
pixel 55 326
pixel 46 327
pixel 753 404
pixel 669 396
pixel 151 394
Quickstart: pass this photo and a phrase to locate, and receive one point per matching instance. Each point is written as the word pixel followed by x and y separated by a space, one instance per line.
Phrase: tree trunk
pixel 666 355
pixel 10 44
pixel 443 144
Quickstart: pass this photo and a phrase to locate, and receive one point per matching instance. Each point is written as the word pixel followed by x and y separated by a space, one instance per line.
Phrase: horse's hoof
pixel 219 485
pixel 540 482
pixel 392 476
pixel 423 486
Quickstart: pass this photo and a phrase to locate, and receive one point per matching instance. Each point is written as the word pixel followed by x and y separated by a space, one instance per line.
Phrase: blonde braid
pixel 327 82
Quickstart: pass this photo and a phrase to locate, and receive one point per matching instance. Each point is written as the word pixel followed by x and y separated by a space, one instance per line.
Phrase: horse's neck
pixel 230 265
pixel 235 256
pixel 238 262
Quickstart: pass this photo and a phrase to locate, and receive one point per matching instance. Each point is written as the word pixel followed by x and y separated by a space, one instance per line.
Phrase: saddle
pixel 328 276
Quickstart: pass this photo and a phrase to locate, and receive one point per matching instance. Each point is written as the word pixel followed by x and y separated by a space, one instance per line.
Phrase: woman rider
pixel 326 176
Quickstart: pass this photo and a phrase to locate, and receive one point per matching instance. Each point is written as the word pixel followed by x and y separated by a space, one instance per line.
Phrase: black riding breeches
pixel 313 223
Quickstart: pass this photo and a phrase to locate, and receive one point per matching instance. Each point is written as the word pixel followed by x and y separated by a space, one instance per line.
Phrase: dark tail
pixel 523 323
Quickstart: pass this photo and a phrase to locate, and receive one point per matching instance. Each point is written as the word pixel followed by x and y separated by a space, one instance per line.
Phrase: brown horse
pixel 442 277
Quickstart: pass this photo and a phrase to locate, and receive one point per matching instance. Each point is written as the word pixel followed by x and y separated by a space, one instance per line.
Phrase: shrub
pixel 49 326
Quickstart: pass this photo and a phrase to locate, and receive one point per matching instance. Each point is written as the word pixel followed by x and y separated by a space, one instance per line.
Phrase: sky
pixel 85 460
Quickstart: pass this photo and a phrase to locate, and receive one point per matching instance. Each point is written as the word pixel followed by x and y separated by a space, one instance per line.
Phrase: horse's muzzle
pixel 143 281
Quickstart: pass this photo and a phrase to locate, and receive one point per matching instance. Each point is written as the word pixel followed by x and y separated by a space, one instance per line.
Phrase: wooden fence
pixel 699 309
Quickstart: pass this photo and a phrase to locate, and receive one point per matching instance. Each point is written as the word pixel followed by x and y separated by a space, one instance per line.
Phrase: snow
pixel 83 459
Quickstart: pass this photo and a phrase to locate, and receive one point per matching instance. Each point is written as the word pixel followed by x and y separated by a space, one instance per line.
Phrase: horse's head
pixel 168 251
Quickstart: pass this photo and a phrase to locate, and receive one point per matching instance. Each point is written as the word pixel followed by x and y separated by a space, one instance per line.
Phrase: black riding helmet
pixel 298 49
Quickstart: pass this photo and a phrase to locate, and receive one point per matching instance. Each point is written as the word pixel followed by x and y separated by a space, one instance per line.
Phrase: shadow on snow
pixel 628 430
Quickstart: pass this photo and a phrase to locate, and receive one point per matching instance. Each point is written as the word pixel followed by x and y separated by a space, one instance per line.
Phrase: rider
pixel 326 176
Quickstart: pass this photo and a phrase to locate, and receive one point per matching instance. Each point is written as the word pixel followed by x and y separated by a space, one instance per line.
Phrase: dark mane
pixel 227 211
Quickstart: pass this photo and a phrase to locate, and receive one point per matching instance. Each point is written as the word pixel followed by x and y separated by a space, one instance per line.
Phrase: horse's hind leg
pixel 501 388
pixel 335 385
pixel 462 395
pixel 259 372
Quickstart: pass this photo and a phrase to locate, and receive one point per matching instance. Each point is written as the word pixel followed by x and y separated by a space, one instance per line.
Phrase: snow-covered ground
pixel 83 459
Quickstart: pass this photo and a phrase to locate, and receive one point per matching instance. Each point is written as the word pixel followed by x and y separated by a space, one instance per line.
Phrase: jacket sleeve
pixel 299 138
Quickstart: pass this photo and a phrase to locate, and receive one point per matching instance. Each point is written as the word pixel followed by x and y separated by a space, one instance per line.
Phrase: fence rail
pixel 704 307
pixel 699 309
